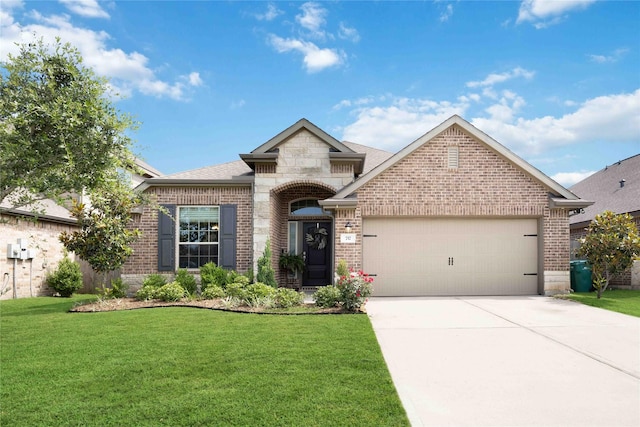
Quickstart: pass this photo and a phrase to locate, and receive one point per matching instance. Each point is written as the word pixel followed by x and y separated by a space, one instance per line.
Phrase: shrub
pixel 155 280
pixel 170 292
pixel 211 274
pixel 286 298
pixel 327 296
pixel 243 280
pixel 266 274
pixel 354 288
pixel 146 293
pixel 263 302
pixel 235 290
pixel 213 292
pixel 342 269
pixel 259 290
pixel 67 278
pixel 187 281
pixel 118 289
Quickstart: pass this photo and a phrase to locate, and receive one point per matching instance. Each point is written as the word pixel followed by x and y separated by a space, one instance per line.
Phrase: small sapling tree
pixel 610 246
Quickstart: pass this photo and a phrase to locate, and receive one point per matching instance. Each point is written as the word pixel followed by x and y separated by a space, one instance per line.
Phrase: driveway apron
pixel 510 361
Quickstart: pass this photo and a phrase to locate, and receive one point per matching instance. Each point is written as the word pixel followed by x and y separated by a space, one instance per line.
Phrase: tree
pixel 59 133
pixel 104 237
pixel 610 246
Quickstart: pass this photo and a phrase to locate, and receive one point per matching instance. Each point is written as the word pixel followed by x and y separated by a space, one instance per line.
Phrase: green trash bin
pixel 580 273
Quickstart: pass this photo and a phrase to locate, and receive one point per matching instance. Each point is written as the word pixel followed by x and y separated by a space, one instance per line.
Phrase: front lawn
pixel 622 301
pixel 185 366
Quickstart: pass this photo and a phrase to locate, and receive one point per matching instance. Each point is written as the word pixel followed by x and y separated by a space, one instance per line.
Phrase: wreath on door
pixel 316 238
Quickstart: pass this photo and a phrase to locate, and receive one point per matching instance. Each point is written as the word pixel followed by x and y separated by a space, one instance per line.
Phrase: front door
pixel 316 244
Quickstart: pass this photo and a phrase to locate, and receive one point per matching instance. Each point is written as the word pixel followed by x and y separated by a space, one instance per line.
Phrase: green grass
pixel 622 301
pixel 184 366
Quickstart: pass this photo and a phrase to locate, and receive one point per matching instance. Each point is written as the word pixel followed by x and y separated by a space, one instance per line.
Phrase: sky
pixel 556 82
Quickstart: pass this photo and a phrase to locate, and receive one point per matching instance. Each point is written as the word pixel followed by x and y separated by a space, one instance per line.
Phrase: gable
pixel 480 176
pixel 474 133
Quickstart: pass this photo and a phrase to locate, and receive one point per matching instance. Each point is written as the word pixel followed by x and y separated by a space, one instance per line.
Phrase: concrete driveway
pixel 510 361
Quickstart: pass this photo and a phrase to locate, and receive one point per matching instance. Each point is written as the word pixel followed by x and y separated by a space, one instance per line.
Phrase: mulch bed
pixel 119 304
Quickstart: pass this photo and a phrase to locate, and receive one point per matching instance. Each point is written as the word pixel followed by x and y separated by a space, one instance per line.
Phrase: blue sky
pixel 557 82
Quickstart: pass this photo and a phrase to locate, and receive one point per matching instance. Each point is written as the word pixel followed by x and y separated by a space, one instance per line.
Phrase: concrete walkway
pixel 510 361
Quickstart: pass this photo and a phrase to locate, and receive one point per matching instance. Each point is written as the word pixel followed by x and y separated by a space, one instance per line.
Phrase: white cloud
pixel 194 79
pixel 610 117
pixel 615 56
pixel 448 12
pixel 86 8
pixel 392 127
pixel 312 18
pixel 348 33
pixel 543 13
pixel 128 72
pixel 272 13
pixel 494 78
pixel 567 179
pixel 315 58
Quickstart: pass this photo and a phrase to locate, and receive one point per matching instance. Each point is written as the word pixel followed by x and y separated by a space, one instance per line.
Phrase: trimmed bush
pixel 235 290
pixel 211 274
pixel 146 293
pixel 327 296
pixel 67 278
pixel 286 298
pixel 155 280
pixel 187 281
pixel 213 292
pixel 118 289
pixel 259 290
pixel 170 292
pixel 243 280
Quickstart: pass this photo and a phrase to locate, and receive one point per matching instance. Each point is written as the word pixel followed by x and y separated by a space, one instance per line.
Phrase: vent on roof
pixel 452 157
pixel 622 181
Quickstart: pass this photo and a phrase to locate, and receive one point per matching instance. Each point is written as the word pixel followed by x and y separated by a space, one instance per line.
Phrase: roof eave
pixel 559 203
pixel 240 181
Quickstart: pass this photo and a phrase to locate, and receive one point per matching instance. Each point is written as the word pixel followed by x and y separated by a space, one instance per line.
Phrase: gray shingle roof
pixel 604 188
pixel 374 155
pixel 221 171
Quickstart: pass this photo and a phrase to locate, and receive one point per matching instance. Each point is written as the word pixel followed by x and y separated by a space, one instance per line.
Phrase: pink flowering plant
pixel 355 288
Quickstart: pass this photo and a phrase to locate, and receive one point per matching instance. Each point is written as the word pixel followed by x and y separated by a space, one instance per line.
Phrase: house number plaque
pixel 347 237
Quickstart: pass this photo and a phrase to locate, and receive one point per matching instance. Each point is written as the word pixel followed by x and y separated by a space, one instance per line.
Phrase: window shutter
pixel 228 215
pixel 167 239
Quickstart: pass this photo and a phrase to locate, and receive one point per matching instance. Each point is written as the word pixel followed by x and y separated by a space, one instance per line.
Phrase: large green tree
pixel 59 131
pixel 611 245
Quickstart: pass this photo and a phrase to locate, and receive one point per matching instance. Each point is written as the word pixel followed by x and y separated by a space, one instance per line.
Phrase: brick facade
pixel 483 185
pixel 30 275
pixel 145 258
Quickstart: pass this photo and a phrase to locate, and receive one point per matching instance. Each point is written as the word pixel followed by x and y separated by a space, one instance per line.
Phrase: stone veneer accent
pixel 303 159
pixel 41 236
pixel 484 185
pixel 145 258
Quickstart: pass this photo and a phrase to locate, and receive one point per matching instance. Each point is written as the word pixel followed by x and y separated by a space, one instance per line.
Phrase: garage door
pixel 423 257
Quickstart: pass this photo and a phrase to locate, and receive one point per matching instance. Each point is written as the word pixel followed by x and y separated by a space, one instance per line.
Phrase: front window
pixel 306 207
pixel 198 235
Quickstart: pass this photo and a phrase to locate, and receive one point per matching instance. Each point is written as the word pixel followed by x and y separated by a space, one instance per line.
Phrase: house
pixel 452 213
pixel 615 188
pixel 38 234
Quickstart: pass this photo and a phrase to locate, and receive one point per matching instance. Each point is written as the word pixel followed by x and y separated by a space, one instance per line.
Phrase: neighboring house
pixel 453 213
pixel 615 188
pixel 39 234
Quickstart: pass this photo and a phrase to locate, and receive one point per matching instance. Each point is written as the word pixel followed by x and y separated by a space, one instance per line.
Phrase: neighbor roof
pixel 606 189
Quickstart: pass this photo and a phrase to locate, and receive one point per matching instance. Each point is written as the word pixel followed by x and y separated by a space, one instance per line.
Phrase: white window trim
pixel 177 237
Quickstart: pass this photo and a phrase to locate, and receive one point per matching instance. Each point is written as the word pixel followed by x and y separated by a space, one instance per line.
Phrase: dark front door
pixel 316 237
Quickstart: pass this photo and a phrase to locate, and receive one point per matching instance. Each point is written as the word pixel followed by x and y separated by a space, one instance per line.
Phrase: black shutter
pixel 167 239
pixel 228 215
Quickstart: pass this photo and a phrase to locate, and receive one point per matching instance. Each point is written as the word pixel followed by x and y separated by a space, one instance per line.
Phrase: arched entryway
pixel 300 226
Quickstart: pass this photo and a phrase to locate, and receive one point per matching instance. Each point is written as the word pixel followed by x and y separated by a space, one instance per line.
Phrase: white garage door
pixel 422 257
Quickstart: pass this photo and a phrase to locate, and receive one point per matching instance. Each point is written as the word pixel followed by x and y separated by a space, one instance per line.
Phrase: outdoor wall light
pixel 348 226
